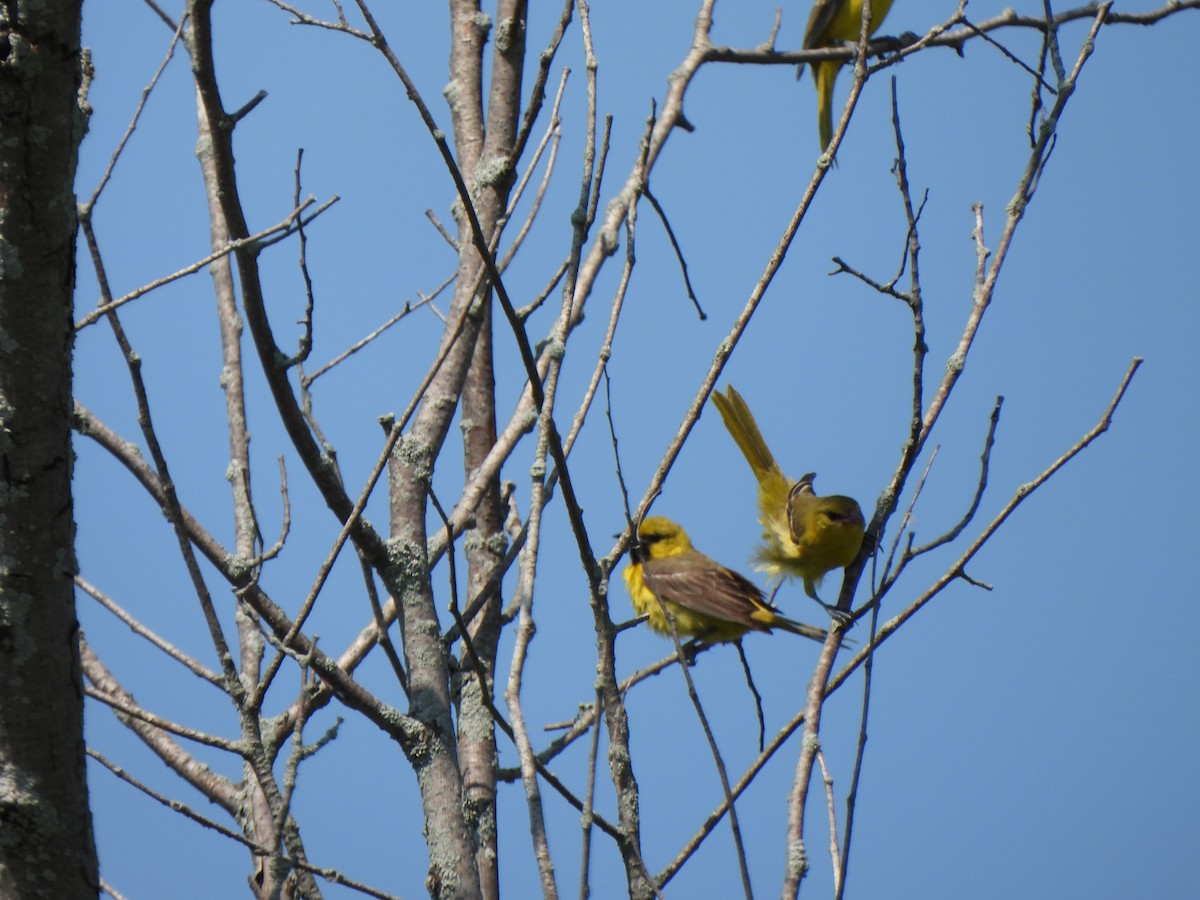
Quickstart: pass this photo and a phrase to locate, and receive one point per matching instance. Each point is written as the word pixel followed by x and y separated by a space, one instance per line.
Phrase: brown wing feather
pixel 696 583
pixel 822 14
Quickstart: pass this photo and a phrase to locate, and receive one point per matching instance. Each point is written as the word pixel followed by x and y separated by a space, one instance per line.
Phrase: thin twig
pixel 141 630
pixel 281 229
pixel 834 852
pixel 758 707
pixel 734 826
pixel 331 875
pixel 683 269
pixel 86 208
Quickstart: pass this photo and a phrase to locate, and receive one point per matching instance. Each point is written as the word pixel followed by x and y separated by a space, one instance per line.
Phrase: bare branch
pixel 139 629
pixel 281 229
pixel 331 875
pixel 85 209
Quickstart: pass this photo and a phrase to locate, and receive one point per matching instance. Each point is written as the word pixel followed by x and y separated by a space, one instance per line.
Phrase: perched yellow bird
pixel 706 600
pixel 804 535
pixel 829 22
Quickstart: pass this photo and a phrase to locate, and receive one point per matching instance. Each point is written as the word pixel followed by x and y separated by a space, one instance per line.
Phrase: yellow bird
pixel 706 600
pixel 804 536
pixel 829 22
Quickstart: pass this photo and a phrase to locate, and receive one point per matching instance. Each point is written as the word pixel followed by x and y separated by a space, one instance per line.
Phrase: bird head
pixel 657 537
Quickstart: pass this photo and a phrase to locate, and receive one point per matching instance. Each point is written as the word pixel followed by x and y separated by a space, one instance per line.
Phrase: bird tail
pixel 744 430
pixel 809 631
pixel 824 75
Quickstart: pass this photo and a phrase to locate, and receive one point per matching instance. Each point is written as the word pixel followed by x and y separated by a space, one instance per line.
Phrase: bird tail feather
pixel 744 430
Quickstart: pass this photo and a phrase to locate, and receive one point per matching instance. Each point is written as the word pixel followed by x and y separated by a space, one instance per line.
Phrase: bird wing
pixel 822 14
pixel 801 499
pixel 699 585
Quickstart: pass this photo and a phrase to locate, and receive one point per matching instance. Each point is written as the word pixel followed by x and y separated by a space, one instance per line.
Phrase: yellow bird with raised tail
pixel 831 22
pixel 804 536
pixel 706 600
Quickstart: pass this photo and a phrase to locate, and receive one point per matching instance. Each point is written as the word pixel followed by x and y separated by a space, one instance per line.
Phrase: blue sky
pixel 1034 740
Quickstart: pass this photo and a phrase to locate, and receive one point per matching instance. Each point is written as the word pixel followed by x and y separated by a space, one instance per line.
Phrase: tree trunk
pixel 46 849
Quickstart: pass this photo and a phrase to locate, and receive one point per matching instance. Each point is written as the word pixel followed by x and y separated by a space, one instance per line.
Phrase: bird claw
pixel 884 44
pixel 843 617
